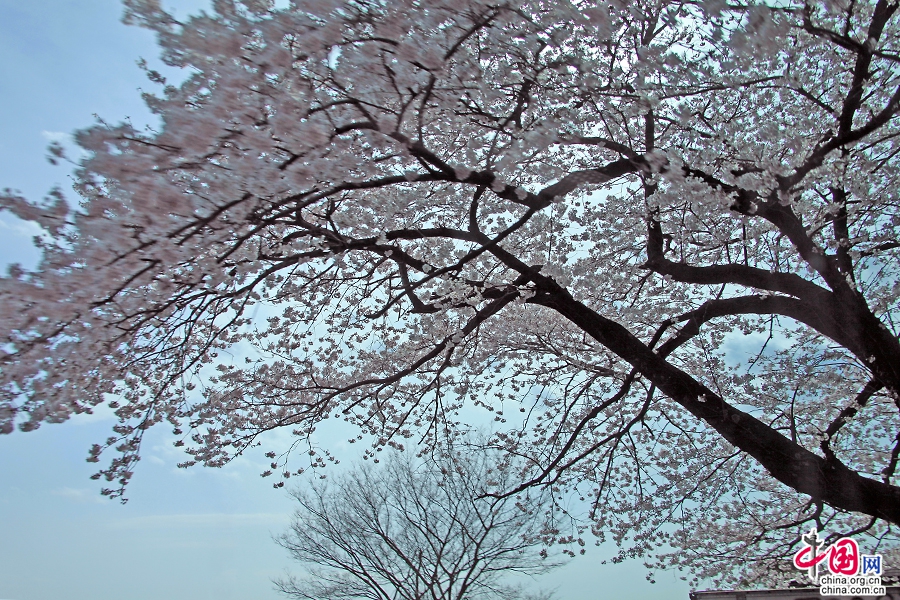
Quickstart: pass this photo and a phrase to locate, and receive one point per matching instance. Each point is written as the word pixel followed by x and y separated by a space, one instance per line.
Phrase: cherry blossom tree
pixel 413 529
pixel 655 240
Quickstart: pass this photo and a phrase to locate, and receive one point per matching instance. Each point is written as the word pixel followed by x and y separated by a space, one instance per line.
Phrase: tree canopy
pixel 655 240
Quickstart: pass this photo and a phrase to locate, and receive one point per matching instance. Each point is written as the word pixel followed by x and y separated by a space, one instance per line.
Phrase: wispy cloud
pixel 66 140
pixel 57 136
pixel 203 520
pixel 18 227
pixel 78 495
pixel 101 412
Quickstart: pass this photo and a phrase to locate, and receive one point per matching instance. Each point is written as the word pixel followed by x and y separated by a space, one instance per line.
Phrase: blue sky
pixel 191 534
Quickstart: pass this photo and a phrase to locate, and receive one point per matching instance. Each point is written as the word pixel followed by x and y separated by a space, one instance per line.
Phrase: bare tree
pixel 414 530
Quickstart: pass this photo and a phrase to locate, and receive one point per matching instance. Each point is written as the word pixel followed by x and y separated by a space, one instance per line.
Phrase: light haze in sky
pixel 195 534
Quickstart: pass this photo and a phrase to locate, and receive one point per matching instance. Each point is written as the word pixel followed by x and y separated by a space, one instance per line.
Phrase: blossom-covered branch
pixel 656 242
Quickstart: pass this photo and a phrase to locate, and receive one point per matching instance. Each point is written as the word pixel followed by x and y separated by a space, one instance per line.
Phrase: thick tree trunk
pixel 828 481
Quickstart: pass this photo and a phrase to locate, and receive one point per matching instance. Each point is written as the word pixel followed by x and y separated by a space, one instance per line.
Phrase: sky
pixel 193 534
